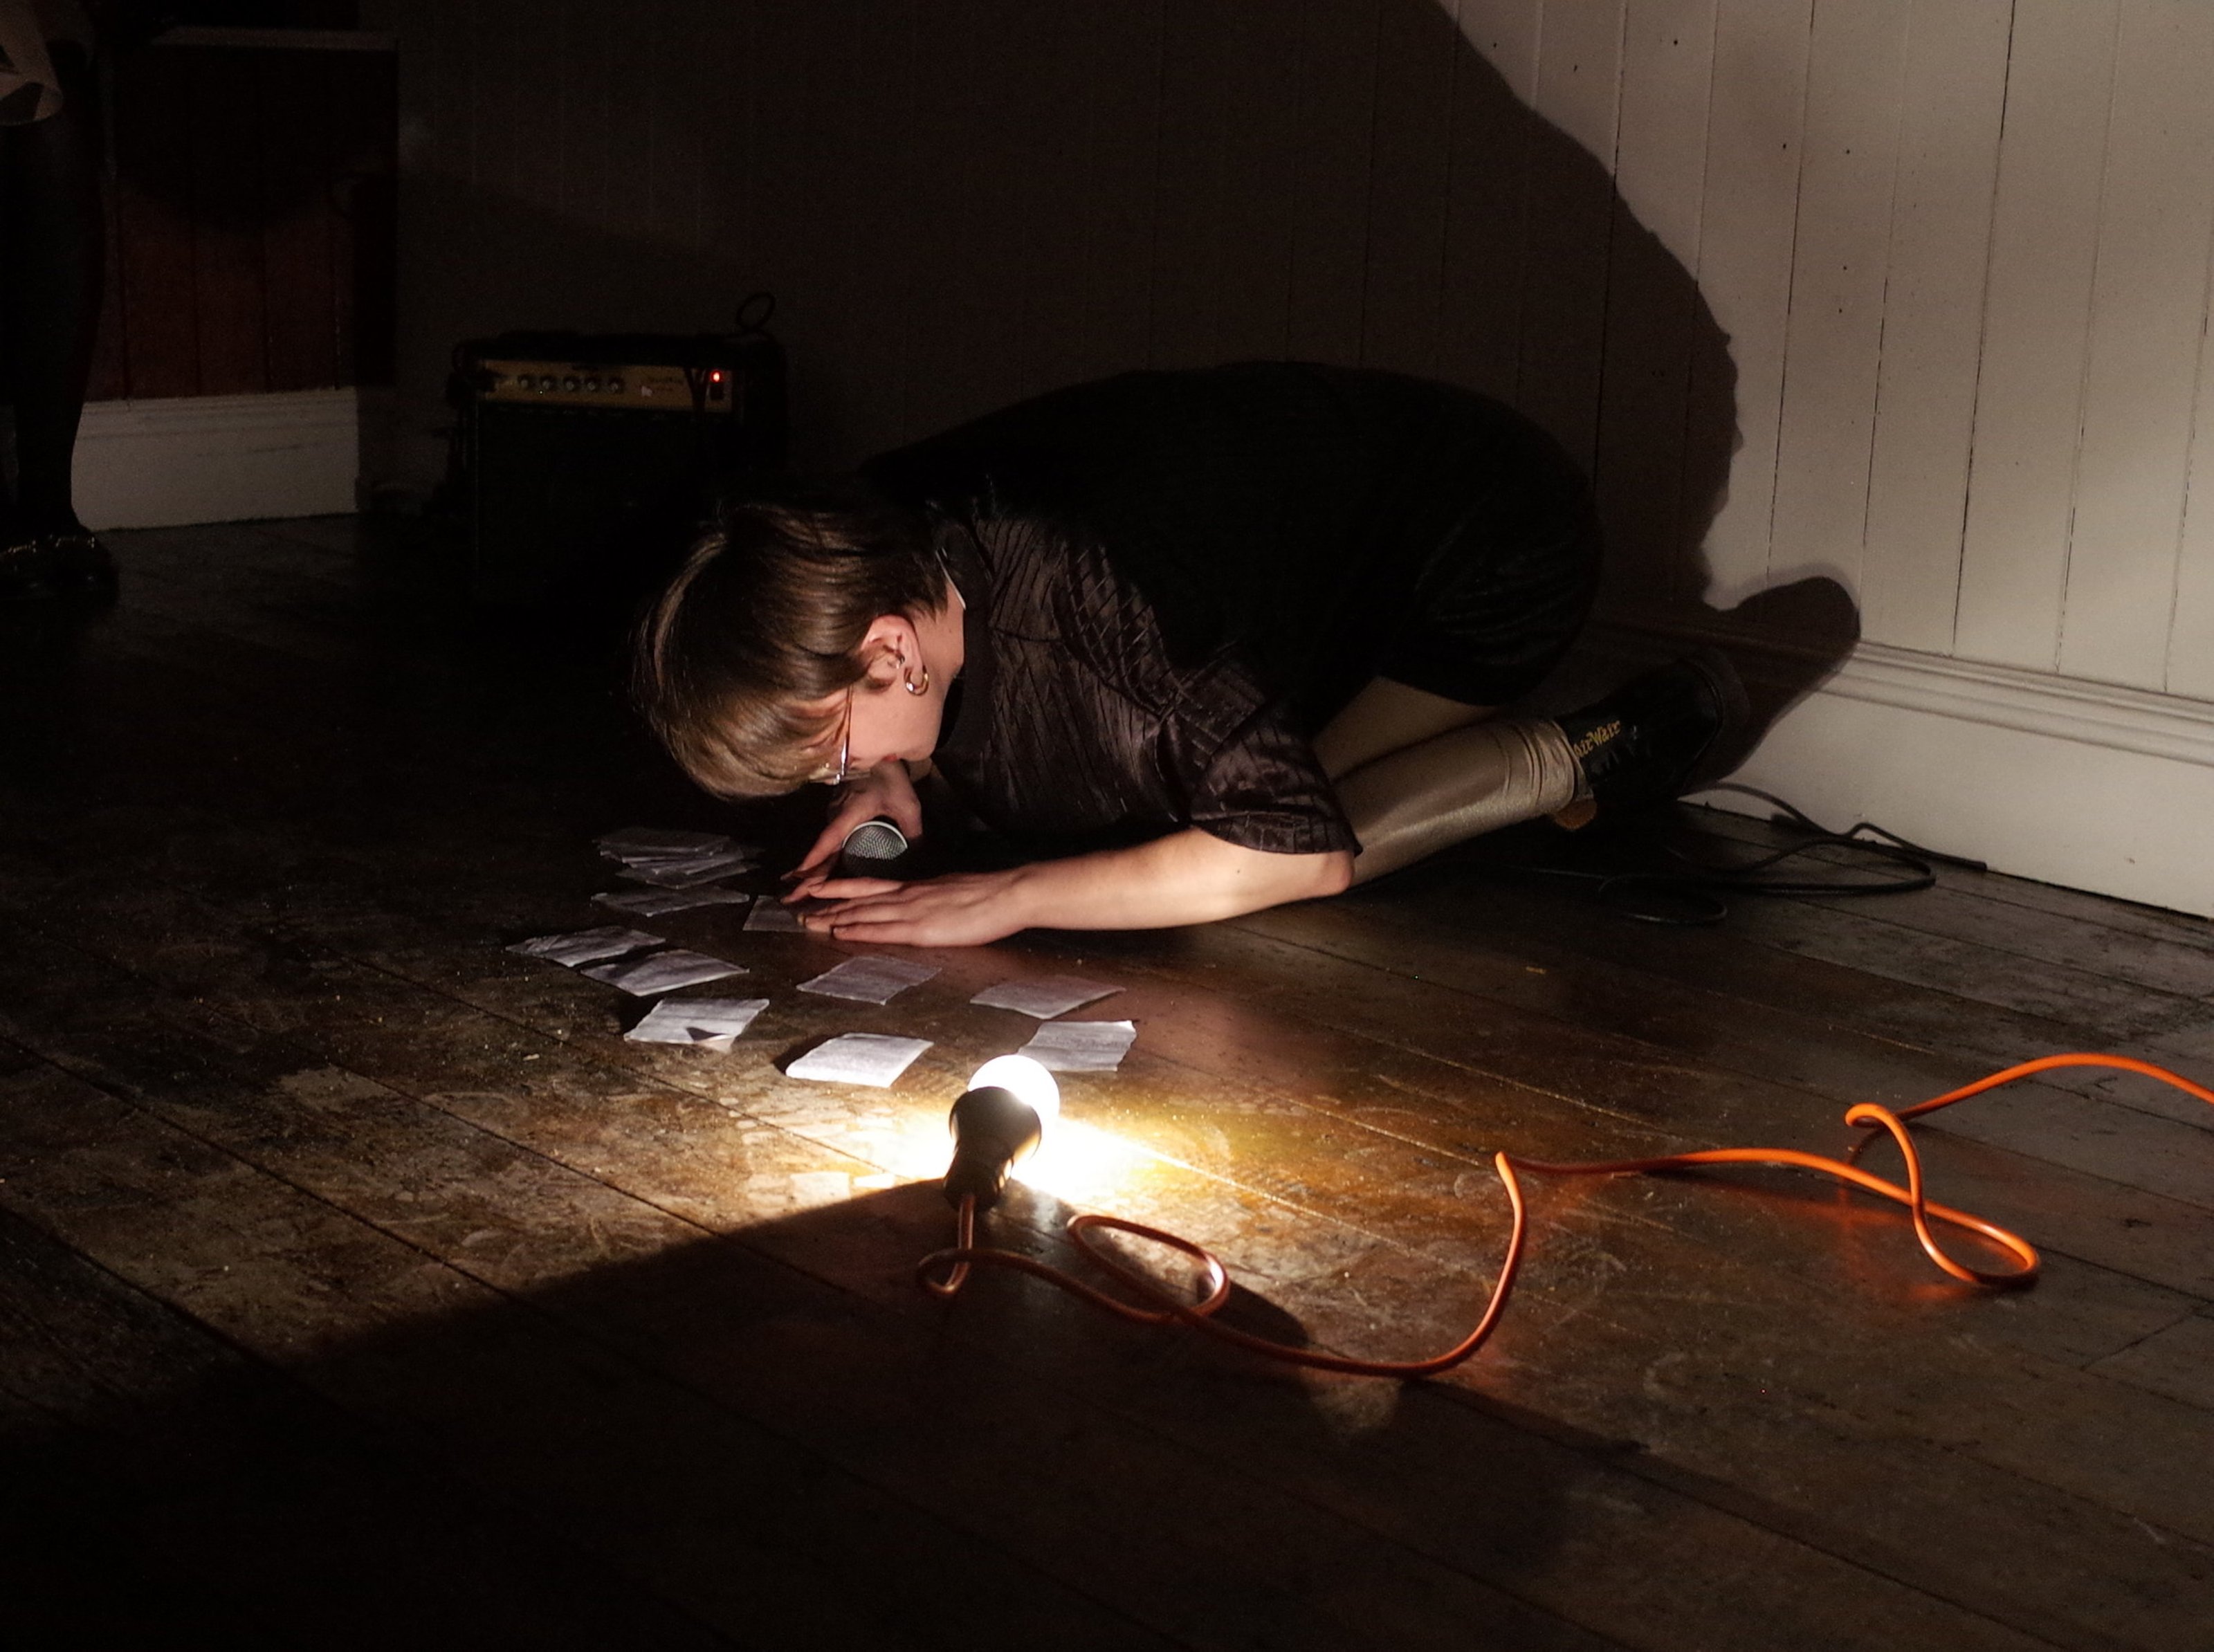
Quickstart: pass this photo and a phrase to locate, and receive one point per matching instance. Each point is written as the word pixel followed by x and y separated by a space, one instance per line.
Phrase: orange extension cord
pixel 1167 1308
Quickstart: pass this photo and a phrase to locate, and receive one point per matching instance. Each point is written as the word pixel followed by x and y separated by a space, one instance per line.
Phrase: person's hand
pixel 885 790
pixel 959 910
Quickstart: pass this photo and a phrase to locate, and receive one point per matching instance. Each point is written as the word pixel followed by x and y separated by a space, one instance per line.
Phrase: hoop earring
pixel 921 688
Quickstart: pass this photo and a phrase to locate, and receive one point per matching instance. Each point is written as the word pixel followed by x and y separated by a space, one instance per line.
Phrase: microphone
pixel 875 848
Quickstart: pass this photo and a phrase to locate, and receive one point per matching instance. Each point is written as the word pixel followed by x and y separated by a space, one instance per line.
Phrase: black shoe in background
pixel 23 571
pixel 75 564
pixel 1652 738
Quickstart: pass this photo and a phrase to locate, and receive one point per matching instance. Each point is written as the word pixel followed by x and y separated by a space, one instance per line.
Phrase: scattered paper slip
pixel 659 903
pixel 693 869
pixel 662 972
pixel 1080 1046
pixel 870 980
pixel 653 843
pixel 712 1022
pixel 873 1058
pixel 586 945
pixel 772 916
pixel 1043 996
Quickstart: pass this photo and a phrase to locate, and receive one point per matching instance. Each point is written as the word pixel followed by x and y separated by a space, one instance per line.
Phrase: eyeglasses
pixel 842 770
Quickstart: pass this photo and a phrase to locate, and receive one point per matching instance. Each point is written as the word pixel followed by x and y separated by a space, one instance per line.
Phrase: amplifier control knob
pixel 569 382
pixel 616 385
pixel 591 384
pixel 546 381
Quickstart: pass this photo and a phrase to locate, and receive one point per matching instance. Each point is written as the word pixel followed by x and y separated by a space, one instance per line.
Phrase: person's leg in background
pixel 1418 770
pixel 1417 773
pixel 52 245
pixel 1420 756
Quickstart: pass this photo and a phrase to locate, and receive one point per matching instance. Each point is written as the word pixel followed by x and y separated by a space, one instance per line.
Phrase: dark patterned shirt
pixel 1072 718
pixel 1174 579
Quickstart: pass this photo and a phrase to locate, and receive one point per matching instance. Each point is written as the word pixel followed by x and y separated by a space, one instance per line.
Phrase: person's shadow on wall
pixel 1617 351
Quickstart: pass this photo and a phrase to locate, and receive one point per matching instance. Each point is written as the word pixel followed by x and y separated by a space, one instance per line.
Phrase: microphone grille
pixel 875 839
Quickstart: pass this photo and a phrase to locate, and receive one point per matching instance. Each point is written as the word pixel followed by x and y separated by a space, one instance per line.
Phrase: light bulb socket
pixel 993 1130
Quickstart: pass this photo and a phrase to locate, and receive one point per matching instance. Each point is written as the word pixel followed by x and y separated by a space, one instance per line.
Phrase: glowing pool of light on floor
pixel 1080 1163
pixel 1074 1161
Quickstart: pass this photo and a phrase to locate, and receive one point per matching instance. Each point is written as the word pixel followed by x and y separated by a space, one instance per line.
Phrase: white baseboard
pixel 2080 784
pixel 178 461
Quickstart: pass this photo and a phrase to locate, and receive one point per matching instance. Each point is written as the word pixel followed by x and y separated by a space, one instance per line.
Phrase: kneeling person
pixel 1230 638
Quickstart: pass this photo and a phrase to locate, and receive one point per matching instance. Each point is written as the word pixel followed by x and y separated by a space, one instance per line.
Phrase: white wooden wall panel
pixel 1579 85
pixel 1505 34
pixel 2148 311
pixel 1563 311
pixel 1660 172
pixel 1667 66
pixel 1260 201
pixel 1409 178
pixel 1488 180
pixel 1188 186
pixel 1336 135
pixel 2191 640
pixel 2037 320
pixel 1748 226
pixel 1933 312
pixel 1849 160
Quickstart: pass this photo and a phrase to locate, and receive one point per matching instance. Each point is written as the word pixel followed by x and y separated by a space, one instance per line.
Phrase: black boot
pixel 24 571
pixel 1650 740
pixel 78 564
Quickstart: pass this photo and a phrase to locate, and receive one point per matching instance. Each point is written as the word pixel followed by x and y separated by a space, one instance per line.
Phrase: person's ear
pixel 890 644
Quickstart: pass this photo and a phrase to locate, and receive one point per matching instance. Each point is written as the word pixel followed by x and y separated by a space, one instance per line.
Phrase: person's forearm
pixel 1188 877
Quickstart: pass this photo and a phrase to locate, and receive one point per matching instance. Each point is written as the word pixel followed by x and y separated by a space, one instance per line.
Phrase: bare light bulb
pixel 1030 1080
pixel 997 1124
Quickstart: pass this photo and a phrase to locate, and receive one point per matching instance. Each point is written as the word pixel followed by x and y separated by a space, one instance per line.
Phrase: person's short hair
pixel 766 619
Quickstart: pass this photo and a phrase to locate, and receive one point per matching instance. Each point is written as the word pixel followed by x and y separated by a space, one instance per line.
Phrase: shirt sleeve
pixel 1248 775
pixel 1206 737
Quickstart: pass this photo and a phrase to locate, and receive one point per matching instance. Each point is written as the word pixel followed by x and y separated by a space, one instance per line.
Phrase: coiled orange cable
pixel 1164 1307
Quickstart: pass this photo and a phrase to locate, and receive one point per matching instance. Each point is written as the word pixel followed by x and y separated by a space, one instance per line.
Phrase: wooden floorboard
pixel 377 1008
pixel 1658 1025
pixel 1823 1008
pixel 725 1518
pixel 291 1152
pixel 1787 1564
pixel 173 1492
pixel 2177 1361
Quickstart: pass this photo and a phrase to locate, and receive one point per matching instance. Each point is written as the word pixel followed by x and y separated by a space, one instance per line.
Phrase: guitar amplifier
pixel 587 460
